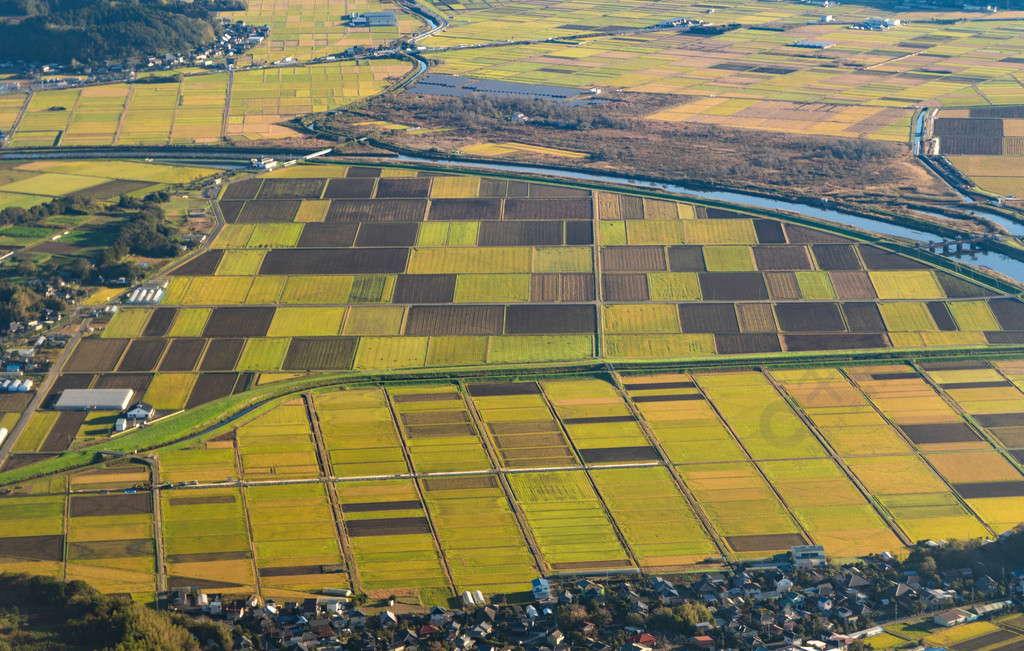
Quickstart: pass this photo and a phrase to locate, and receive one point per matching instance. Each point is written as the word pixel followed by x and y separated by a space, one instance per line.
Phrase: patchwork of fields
pixel 443 487
pixel 192 111
pixel 866 84
pixel 374 269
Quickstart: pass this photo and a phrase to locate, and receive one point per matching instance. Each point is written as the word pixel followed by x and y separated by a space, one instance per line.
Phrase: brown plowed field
pixel 863 317
pixel 183 354
pixel 63 431
pixel 159 322
pixel 425 288
pixel 137 382
pixel 454 320
pixel 39 548
pixel 520 233
pixel 755 317
pixel 503 389
pixel 783 257
pixel 782 286
pixel 291 189
pixel 142 355
pixel 733 286
pixel 222 354
pixel 943 319
pixel 387 234
pixel 765 543
pixel 241 190
pixel 741 344
pixel 877 259
pixel 403 188
pixel 230 210
pixel 298 262
pixel 1009 313
pixel 578 287
pixel 264 212
pixel 363 172
pixel 96 355
pixel 548 209
pixel 619 455
pixel 320 353
pixel 349 189
pixel 377 210
pixel 550 319
pixel 210 387
pixel 328 235
pixel 852 285
pixel 387 527
pixel 625 287
pixel 239 322
pixel 633 258
pixel 836 257
pixel 446 210
pixel 939 433
pixel 708 317
pixel 809 317
pixel 579 233
pixel 544 288
pixel 769 231
pixel 686 258
pixel 802 343
pixel 83 506
pixel 204 264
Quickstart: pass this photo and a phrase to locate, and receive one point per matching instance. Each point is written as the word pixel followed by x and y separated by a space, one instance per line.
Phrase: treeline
pixel 92 31
pixel 476 111
pixel 144 232
pixel 19 303
pixel 70 205
pixel 73 616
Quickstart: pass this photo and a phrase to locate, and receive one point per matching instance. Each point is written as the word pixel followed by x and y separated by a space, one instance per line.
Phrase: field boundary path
pixel 21 114
pixel 590 480
pixel 716 537
pixel 419 491
pixel 158 524
pixel 71 117
pixel 916 452
pixel 839 461
pixel 956 407
pixel 248 520
pixel 124 115
pixel 506 488
pixel 753 462
pixel 323 458
pixel 227 106
pixel 174 116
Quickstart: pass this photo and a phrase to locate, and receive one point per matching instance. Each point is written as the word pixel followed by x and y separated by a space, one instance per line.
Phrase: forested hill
pixel 92 31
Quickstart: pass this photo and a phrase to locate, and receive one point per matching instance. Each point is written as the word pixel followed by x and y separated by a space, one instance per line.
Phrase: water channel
pixel 990 259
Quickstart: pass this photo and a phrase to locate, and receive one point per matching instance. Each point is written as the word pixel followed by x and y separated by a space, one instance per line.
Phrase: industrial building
pixel 94 400
pixel 373 19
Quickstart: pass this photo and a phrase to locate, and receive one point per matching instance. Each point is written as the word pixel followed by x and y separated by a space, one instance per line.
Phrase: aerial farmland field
pixel 406 272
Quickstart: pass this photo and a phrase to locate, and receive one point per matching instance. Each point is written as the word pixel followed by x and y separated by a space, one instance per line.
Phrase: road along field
pixel 407 489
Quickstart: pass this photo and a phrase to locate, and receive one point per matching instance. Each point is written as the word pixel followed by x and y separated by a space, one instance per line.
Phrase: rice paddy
pixel 192 111
pixel 454 483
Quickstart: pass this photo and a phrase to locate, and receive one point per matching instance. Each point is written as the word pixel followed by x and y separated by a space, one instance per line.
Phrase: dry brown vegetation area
pixel 620 140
